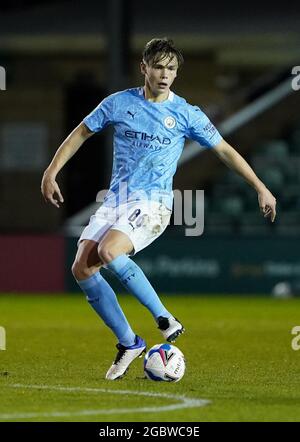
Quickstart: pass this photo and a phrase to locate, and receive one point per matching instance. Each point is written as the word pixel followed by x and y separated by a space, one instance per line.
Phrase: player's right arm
pixel 49 187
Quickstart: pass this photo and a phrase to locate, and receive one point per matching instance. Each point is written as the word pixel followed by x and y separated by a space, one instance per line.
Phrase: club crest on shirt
pixel 169 122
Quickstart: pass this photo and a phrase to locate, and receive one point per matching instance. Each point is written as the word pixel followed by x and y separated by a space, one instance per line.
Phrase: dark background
pixel 62 58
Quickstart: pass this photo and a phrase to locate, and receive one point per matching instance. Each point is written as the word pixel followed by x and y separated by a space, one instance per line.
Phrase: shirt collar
pixel 170 97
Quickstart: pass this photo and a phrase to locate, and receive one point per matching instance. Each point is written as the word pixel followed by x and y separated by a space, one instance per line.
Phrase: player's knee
pixel 80 271
pixel 107 253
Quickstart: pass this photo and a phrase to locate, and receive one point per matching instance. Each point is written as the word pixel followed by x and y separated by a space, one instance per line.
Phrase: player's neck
pixel 149 96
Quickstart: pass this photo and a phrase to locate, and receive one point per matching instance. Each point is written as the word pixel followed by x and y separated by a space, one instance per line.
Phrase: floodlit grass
pixel 238 352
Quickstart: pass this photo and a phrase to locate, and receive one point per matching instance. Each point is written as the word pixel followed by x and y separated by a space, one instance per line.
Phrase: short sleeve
pixel 102 115
pixel 201 129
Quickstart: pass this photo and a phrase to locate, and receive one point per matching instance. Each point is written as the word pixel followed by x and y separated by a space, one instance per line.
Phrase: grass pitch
pixel 238 352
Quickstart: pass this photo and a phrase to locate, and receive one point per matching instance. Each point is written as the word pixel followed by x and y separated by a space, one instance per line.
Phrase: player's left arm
pixel 232 159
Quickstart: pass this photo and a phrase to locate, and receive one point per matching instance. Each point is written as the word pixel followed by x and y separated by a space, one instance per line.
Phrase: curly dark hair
pixel 158 49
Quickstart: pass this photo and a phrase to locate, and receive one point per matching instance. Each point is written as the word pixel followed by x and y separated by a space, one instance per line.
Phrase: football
pixel 164 362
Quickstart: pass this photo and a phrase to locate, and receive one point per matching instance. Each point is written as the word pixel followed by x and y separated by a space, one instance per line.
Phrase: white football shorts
pixel 142 221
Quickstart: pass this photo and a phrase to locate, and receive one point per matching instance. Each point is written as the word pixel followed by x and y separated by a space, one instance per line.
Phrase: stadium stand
pixel 234 207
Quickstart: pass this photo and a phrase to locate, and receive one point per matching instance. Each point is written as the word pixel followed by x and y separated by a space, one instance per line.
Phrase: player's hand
pixel 267 203
pixel 51 191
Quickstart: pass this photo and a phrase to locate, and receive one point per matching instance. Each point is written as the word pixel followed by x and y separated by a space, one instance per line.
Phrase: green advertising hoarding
pixel 241 265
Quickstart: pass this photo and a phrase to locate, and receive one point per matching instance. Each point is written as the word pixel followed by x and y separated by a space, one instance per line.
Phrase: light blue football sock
pixel 134 279
pixel 102 298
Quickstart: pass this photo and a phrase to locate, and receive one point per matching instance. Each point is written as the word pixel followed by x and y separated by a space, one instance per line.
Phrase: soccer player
pixel 150 124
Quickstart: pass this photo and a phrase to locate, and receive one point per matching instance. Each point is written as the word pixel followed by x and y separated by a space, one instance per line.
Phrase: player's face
pixel 159 75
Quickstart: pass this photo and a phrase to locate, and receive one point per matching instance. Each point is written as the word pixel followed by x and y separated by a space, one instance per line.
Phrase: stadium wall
pixel 32 263
pixel 238 265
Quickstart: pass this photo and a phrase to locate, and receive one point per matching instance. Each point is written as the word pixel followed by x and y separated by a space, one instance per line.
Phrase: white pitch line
pixel 184 402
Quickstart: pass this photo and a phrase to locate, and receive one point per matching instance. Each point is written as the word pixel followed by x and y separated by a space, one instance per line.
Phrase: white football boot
pixel 124 358
pixel 170 328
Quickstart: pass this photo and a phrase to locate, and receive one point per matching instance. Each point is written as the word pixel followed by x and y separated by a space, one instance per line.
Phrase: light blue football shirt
pixel 148 141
